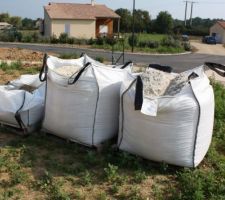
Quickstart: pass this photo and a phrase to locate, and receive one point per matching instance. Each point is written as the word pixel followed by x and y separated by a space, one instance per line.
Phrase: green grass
pixel 153 37
pixel 45 167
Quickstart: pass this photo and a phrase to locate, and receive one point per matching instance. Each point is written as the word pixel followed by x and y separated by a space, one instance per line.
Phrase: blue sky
pixel 204 8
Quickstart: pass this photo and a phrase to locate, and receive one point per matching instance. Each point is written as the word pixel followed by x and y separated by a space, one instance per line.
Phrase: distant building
pixel 79 20
pixel 5 25
pixel 218 31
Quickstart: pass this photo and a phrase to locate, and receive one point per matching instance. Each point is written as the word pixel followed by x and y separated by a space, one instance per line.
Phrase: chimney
pixel 92 2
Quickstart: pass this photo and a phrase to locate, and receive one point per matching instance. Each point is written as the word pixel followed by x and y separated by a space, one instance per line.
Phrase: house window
pixel 67 29
pixel 103 29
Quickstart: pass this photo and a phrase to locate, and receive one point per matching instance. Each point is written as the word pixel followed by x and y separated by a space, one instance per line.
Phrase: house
pixel 5 25
pixel 79 20
pixel 218 31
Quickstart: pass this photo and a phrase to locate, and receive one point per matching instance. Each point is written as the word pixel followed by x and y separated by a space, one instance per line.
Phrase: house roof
pixel 79 11
pixel 4 24
pixel 222 24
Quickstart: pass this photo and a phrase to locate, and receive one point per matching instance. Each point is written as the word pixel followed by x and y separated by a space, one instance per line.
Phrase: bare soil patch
pixel 20 54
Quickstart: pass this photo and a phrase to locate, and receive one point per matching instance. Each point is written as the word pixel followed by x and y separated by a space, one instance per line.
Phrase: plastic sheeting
pixel 28 106
pixel 86 111
pixel 181 131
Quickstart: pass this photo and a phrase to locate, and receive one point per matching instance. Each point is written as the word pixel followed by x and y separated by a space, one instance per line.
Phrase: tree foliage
pixel 164 22
pixel 18 22
pixel 126 19
pixel 142 20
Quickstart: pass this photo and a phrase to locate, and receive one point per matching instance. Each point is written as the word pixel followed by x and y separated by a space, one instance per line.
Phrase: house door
pixel 67 29
pixel 103 30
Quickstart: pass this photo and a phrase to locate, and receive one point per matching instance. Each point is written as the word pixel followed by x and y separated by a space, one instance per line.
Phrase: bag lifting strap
pixel 76 78
pixel 167 69
pixel 18 116
pixel 139 94
pixel 216 67
pixel 44 69
pixel 126 64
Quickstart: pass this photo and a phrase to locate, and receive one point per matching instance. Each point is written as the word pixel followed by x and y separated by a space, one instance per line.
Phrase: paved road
pixel 178 62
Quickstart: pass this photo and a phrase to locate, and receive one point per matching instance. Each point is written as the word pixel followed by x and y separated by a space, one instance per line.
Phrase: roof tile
pixel 79 11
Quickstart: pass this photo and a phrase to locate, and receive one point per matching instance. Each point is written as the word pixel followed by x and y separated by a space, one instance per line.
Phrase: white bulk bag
pixel 20 108
pixel 83 108
pixel 180 133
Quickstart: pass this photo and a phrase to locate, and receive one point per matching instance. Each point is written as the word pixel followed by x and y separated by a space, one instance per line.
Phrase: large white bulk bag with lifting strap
pixel 83 107
pixel 175 128
pixel 22 103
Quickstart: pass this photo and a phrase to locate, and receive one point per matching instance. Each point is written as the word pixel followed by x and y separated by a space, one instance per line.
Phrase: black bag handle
pixel 216 67
pixel 18 116
pixel 44 69
pixel 126 64
pixel 78 74
pixel 139 94
pixel 167 69
pixel 193 75
pixel 82 54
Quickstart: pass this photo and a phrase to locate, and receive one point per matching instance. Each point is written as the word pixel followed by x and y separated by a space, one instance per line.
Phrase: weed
pixel 111 172
pixel 51 187
pixel 139 176
pixel 86 178
pixel 102 196
pixel 115 188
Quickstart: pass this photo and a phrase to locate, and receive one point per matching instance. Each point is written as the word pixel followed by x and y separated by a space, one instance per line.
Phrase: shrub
pixel 35 37
pixel 81 41
pixel 100 41
pixel 110 41
pixel 71 40
pixel 27 38
pixel 143 44
pixel 44 39
pixel 18 36
pixel 169 41
pixel 130 40
pixel 187 46
pixel 54 39
pixel 153 44
pixel 91 41
pixel 63 38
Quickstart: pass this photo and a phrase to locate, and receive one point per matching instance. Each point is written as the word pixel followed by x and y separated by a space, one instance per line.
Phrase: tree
pixel 125 20
pixel 4 17
pixel 16 21
pixel 28 24
pixel 164 22
pixel 142 21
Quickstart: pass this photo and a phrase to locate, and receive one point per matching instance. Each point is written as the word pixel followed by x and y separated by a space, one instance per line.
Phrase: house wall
pixel 107 22
pixel 219 31
pixel 76 28
pixel 47 25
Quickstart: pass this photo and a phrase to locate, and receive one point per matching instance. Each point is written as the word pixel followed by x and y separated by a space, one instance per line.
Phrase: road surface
pixel 178 62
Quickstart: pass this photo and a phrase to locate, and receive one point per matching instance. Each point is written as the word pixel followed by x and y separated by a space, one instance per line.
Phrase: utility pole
pixel 185 16
pixel 192 4
pixel 133 26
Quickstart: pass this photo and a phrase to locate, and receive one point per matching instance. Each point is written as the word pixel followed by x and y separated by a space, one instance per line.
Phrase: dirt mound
pixel 20 54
